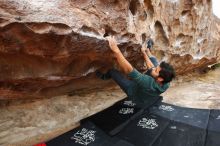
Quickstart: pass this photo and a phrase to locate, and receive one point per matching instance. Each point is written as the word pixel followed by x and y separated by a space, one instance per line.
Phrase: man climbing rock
pixel 139 86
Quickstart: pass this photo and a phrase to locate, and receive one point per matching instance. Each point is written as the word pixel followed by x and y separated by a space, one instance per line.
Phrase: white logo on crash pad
pixel 129 103
pixel 166 108
pixel 218 118
pixel 126 111
pixel 84 136
pixel 147 123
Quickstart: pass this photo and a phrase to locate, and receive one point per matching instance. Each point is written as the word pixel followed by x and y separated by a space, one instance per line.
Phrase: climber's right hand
pixel 113 44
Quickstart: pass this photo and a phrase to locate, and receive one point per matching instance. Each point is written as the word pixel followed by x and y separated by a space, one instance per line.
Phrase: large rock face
pixel 50 47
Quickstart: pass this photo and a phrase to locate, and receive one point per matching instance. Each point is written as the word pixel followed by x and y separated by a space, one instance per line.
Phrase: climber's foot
pixel 150 44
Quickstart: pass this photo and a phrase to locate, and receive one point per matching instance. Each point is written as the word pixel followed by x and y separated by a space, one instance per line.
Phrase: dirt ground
pixel 195 91
pixel 27 122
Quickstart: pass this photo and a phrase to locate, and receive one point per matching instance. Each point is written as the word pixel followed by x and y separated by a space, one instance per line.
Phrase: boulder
pixel 53 47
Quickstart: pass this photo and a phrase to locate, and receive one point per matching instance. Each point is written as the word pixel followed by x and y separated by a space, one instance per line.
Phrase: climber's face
pixel 155 73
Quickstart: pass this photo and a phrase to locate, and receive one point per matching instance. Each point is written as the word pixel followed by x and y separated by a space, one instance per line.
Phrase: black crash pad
pixel 87 134
pixel 154 130
pixel 144 130
pixel 190 116
pixel 213 136
pixel 114 118
pixel 179 134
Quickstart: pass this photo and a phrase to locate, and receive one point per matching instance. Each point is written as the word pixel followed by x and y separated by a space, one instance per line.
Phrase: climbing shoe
pixel 102 76
pixel 150 44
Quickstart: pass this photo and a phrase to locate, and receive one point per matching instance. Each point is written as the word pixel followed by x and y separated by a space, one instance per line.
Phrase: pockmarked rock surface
pixel 52 47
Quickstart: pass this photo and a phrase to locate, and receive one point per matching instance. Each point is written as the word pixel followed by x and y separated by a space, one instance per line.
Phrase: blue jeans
pixel 121 80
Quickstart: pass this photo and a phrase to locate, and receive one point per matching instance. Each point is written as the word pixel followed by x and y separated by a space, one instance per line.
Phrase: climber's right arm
pixel 122 61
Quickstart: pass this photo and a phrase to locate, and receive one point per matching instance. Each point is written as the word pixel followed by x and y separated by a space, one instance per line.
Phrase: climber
pixel 139 86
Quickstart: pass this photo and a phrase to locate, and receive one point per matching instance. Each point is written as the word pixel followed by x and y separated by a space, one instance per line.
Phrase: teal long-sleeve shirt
pixel 144 86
